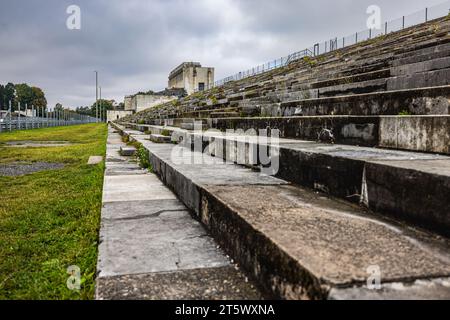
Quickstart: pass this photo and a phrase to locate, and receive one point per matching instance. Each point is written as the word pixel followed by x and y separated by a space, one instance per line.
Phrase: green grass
pixel 49 220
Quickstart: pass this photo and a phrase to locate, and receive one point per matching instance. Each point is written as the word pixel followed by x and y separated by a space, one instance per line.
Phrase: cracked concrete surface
pixel 147 233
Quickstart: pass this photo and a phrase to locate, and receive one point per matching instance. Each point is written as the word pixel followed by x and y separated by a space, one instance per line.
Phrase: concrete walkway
pixel 151 247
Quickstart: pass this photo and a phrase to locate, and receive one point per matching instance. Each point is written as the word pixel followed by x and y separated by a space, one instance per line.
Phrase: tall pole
pixel 18 121
pixel 10 117
pixel 32 117
pixel 96 94
pixel 101 110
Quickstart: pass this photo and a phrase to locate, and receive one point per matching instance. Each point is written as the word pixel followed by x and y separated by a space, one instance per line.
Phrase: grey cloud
pixel 134 44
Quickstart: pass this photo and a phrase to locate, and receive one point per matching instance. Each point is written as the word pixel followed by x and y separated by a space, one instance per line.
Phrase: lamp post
pixel 101 105
pixel 96 95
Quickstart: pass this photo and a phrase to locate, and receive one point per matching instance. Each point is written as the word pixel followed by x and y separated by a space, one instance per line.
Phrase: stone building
pixel 140 101
pixel 192 77
pixel 113 115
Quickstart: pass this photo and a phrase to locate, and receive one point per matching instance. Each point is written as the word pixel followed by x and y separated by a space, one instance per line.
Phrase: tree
pixel 24 95
pixel 39 100
pixel 9 94
pixel 2 97
pixel 103 106
pixel 59 107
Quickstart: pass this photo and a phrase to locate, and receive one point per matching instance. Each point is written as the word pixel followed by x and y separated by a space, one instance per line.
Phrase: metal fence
pixel 425 15
pixel 35 118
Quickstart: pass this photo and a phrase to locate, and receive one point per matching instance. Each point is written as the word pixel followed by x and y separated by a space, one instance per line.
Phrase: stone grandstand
pixel 364 168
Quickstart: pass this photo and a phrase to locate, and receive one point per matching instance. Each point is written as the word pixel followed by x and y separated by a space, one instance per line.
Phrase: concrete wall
pixel 142 102
pixel 113 115
pixel 127 103
pixel 418 133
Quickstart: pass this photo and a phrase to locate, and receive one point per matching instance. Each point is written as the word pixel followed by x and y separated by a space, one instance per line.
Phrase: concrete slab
pixel 139 209
pixel 157 138
pixel 135 188
pixel 148 235
pixel 224 283
pixel 305 224
pixel 167 241
pixel 436 289
pixel 127 151
pixel 95 160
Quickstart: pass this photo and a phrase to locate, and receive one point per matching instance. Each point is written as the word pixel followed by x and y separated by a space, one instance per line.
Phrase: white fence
pixel 40 118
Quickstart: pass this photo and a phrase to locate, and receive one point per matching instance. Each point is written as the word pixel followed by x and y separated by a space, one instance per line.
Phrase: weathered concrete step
pixel 440 51
pixel 420 67
pixel 193 126
pixel 412 187
pixel 414 133
pixel 420 101
pixel 420 80
pixel 158 138
pixel 127 151
pixel 297 243
pixel 354 88
pixel 388 181
pixel 151 247
pixel 224 114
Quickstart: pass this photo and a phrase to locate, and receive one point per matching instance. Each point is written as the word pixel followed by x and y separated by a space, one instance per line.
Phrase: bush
pixel 404 113
pixel 165 133
pixel 143 156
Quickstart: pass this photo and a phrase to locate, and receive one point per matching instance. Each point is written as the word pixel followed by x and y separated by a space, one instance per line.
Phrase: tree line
pixel 103 106
pixel 21 93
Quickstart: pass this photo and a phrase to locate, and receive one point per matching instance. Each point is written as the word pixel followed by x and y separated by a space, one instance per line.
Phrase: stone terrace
pixel 364 168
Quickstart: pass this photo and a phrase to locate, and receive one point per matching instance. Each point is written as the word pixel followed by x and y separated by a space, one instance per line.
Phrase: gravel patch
pixel 19 168
pixel 37 144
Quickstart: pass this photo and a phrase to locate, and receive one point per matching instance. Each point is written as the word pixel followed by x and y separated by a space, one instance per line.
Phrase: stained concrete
pixel 148 234
pixel 419 133
pixel 135 188
pixel 301 244
pixel 168 241
pixel 199 284
pixel 436 289
pixel 158 138
pixel 127 151
pixel 383 179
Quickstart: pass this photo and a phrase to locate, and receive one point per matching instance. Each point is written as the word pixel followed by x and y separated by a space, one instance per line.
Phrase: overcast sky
pixel 134 44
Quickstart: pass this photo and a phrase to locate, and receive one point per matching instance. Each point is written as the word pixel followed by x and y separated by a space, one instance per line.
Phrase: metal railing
pixel 36 118
pixel 425 15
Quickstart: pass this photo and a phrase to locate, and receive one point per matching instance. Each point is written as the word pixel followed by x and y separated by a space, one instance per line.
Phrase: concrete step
pixel 419 80
pixel 299 244
pixel 150 246
pixel 440 51
pixel 158 138
pixel 429 134
pixel 387 181
pixel 127 151
pixel 420 101
pixel 413 133
pixel 224 114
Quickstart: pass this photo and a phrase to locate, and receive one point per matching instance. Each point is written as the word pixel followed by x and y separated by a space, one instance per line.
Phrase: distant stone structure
pixel 144 100
pixel 139 102
pixel 192 77
pixel 113 115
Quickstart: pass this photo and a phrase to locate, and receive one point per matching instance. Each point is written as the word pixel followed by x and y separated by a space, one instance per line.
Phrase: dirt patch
pixel 21 168
pixel 37 144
